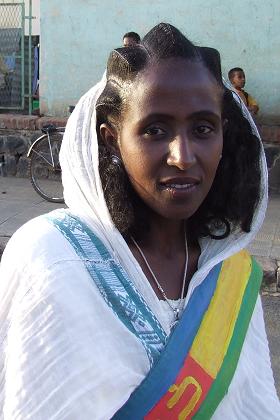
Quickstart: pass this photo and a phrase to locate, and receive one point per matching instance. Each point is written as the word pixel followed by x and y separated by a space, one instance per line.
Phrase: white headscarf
pixel 84 195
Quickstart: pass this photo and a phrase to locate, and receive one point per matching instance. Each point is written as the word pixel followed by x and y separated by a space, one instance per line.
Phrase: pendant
pixel 176 318
pixel 176 314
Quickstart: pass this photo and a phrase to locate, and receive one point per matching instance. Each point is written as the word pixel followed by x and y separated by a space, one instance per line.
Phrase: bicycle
pixel 44 168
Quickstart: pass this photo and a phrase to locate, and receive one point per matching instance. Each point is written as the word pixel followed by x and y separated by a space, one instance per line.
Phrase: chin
pixel 178 214
pixel 176 210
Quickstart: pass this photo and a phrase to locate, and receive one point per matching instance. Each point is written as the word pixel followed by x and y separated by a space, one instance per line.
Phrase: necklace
pixel 176 310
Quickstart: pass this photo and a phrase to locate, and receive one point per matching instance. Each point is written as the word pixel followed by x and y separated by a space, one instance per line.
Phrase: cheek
pixel 210 159
pixel 134 159
pixel 139 157
pixel 135 167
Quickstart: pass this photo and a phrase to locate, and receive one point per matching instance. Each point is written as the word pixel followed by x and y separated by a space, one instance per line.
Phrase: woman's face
pixel 171 138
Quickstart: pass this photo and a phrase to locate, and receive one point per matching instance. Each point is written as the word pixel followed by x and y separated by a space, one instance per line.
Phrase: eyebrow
pixel 199 114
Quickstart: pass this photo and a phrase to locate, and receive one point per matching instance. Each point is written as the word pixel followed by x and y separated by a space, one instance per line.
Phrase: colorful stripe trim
pixel 221 384
pixel 210 345
pixel 204 375
pixel 157 382
pixel 215 330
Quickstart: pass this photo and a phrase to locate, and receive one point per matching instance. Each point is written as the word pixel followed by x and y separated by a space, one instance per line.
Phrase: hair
pixel 132 35
pixel 235 192
pixel 232 72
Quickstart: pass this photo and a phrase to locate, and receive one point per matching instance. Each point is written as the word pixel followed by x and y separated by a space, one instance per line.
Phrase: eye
pixel 154 131
pixel 203 130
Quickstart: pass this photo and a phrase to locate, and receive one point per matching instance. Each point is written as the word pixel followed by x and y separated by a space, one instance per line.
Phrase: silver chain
pixel 176 310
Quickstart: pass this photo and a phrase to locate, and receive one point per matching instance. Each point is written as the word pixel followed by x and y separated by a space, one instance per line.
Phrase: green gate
pixel 12 56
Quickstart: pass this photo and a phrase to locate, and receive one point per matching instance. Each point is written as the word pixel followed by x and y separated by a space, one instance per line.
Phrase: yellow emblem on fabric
pixel 179 390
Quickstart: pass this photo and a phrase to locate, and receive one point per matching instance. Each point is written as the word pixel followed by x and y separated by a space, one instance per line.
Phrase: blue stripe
pixel 125 281
pixel 165 371
pixel 113 283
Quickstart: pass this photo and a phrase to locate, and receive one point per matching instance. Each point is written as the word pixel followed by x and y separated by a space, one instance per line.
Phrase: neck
pixel 164 248
pixel 166 237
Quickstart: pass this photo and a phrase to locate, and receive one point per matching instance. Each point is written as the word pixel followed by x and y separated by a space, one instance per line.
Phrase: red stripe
pixel 184 398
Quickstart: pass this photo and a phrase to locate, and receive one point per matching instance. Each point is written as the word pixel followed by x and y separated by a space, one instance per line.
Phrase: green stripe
pixel 221 384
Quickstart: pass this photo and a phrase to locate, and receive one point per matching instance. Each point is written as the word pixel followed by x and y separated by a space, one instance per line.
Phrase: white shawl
pixel 64 354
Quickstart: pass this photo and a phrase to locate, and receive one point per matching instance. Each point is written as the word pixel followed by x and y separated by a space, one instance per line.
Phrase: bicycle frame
pixel 44 164
pixel 31 148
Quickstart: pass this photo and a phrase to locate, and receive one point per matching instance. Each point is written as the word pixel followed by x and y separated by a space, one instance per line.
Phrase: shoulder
pixel 247 273
pixel 36 252
pixel 251 100
pixel 55 246
pixel 36 240
pixel 243 259
pixel 40 268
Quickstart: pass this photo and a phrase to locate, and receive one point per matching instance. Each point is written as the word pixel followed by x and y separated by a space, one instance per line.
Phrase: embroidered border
pixel 113 283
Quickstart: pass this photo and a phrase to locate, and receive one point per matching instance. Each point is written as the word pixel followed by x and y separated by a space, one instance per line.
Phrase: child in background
pixel 130 39
pixel 237 79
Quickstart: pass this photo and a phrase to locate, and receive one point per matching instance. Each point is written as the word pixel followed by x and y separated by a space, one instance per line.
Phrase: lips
pixel 179 182
pixel 179 187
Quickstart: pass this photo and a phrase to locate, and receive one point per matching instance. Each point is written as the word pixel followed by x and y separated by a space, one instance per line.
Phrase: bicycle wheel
pixel 44 168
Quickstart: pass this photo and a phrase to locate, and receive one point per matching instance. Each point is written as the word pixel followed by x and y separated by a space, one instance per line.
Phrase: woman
pixel 138 301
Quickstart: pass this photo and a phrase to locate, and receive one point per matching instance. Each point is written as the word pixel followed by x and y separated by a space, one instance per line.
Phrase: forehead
pixel 239 73
pixel 175 84
pixel 129 40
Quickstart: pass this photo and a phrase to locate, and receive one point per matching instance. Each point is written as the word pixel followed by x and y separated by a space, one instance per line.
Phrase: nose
pixel 181 153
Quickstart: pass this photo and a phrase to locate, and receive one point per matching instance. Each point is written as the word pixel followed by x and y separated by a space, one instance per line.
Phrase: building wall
pixel 77 36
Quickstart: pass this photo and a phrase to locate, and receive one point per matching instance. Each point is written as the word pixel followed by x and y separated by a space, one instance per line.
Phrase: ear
pixel 109 137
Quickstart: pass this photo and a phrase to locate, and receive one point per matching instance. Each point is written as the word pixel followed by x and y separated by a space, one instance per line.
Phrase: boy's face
pixel 238 80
